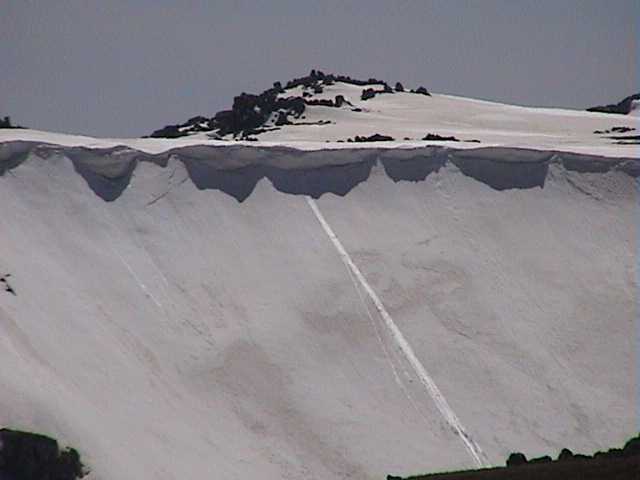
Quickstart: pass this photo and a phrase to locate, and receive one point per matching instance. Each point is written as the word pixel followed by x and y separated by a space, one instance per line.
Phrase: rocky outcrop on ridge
pixel 623 107
pixel 251 112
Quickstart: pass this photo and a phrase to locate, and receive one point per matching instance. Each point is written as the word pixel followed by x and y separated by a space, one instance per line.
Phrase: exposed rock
pixel 622 129
pixel 421 91
pixel 282 119
pixel 249 112
pixel 4 283
pixel 399 87
pixel 432 137
pixel 367 93
pixel 623 107
pixel 614 130
pixel 6 123
pixel 324 102
pixel 376 137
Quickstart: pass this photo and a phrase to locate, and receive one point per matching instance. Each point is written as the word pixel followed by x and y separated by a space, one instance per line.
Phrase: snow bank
pixel 199 322
pixel 237 169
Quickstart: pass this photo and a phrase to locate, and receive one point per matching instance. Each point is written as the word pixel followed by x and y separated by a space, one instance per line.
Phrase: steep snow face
pixel 175 330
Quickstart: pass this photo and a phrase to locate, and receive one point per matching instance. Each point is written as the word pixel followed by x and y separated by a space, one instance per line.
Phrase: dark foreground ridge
pixel 30 456
pixel 236 169
pixel 615 464
pixel 623 107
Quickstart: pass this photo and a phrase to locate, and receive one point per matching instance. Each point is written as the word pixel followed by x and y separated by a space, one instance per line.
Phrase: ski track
pixel 137 279
pixel 389 356
pixel 432 389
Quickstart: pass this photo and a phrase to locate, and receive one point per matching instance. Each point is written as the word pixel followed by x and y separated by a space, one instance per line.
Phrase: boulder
pixel 368 93
pixel 433 137
pixel 623 107
pixel 376 137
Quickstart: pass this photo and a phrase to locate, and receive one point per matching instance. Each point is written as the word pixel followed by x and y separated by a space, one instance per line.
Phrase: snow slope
pixel 401 115
pixel 180 310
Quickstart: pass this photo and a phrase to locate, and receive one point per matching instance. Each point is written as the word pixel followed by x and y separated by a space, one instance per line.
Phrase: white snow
pixel 403 115
pixel 177 332
pixel 432 389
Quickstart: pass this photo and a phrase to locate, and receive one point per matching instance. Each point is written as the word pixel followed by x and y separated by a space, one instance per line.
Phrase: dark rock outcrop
pixel 367 93
pixel 399 87
pixel 433 137
pixel 249 112
pixel 622 129
pixel 6 123
pixel 623 107
pixel 4 283
pixel 421 91
pixel 376 137
pixel 29 456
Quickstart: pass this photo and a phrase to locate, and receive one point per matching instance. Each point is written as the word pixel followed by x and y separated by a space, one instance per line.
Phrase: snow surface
pixel 402 115
pixel 175 331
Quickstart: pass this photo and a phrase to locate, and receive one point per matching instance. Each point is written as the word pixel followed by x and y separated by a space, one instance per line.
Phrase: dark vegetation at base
pixel 6 123
pixel 615 464
pixel 250 112
pixel 30 456
pixel 623 107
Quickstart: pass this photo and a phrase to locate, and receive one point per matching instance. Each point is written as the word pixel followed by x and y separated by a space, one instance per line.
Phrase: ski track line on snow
pixel 432 389
pixel 388 355
pixel 137 279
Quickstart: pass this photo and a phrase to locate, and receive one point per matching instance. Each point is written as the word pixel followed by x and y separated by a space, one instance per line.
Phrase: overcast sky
pixel 125 68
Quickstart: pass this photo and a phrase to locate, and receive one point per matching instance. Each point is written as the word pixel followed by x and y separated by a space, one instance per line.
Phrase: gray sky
pixel 125 68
